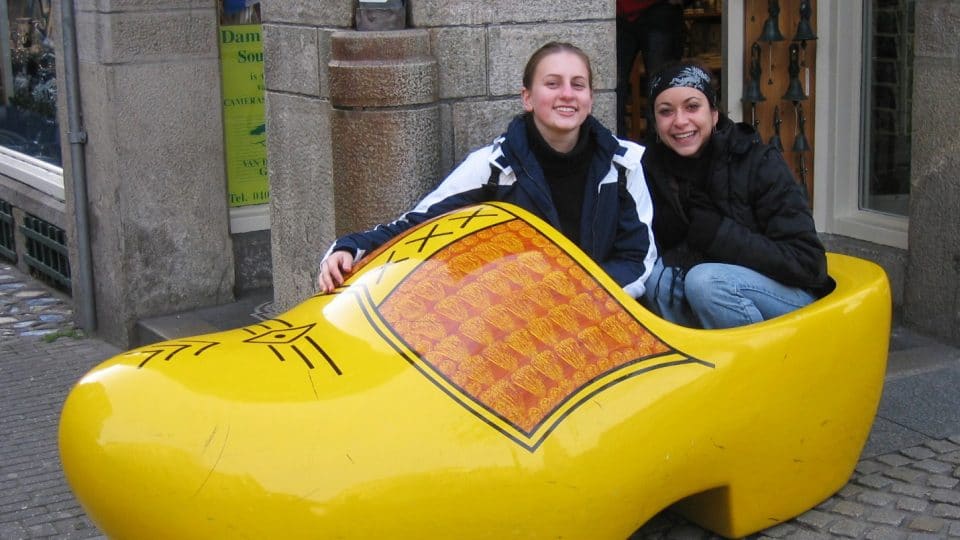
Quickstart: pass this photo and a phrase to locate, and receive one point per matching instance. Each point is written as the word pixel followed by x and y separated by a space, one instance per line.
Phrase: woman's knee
pixel 704 282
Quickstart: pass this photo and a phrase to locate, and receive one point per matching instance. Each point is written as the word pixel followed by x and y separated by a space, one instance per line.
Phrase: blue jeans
pixel 718 295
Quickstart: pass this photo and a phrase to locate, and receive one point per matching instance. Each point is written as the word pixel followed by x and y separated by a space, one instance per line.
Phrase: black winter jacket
pixel 762 219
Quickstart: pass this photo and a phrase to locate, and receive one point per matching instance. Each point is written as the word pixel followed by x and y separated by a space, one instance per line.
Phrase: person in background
pixel 734 230
pixel 556 161
pixel 653 28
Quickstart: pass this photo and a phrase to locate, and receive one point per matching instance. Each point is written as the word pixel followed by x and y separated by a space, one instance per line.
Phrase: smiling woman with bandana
pixel 736 238
pixel 555 160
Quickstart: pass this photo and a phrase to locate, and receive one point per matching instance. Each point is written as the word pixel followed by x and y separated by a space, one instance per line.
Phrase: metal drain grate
pixel 8 246
pixel 46 253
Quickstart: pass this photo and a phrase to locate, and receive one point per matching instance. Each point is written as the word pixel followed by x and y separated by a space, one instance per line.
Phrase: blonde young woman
pixel 554 160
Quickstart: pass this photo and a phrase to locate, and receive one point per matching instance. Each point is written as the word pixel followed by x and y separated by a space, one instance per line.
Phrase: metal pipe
pixel 7 68
pixel 83 291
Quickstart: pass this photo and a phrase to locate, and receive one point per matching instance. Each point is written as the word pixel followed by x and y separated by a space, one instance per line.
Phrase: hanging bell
pixel 800 143
pixel 794 91
pixel 794 88
pixel 775 140
pixel 751 93
pixel 804 30
pixel 771 27
pixel 776 143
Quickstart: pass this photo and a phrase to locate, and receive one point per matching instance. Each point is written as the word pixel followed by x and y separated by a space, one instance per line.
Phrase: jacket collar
pixel 514 147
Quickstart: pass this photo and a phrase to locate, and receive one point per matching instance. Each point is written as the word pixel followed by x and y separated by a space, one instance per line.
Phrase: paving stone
pixel 926 524
pixel 912 505
pixel 808 535
pixel 911 490
pixel 906 474
pixel 948 496
pixel 849 491
pixel 41 530
pixel 780 531
pixel 924 536
pixel 875 481
pixel 816 519
pixel 918 453
pixel 894 460
pixel 848 528
pixel 943 482
pixel 869 466
pixel 876 498
pixel 933 466
pixel 942 446
pixel 887 516
pixel 25 295
pixel 885 533
pixel 948 511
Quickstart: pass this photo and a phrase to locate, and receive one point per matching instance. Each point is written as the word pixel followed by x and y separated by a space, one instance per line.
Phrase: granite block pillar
pixel 386 121
pixel 932 293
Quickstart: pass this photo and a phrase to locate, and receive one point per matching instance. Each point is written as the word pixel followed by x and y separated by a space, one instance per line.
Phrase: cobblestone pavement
pixel 30 309
pixel 911 493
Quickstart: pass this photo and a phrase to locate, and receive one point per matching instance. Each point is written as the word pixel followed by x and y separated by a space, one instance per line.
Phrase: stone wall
pixel 932 297
pixel 480 50
pixel 156 183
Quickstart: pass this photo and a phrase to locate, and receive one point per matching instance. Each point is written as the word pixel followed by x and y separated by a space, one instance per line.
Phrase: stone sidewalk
pixel 907 485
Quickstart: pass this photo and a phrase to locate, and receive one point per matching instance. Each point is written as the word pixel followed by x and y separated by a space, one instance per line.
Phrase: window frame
pixel 838 165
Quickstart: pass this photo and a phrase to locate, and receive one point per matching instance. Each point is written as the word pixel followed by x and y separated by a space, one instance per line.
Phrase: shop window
pixel 28 114
pixel 888 84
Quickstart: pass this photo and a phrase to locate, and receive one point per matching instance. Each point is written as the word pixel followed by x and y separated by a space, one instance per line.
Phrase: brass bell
pixel 804 30
pixel 771 27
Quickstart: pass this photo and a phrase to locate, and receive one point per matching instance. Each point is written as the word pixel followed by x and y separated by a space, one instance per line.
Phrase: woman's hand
pixel 333 270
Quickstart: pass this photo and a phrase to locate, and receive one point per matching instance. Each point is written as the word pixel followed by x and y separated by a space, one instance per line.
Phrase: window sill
pixel 37 174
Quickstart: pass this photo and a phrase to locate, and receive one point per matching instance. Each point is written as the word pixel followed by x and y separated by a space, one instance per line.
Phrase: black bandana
pixel 683 75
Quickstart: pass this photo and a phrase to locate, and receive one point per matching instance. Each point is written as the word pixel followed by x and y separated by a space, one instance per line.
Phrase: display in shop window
pixel 28 116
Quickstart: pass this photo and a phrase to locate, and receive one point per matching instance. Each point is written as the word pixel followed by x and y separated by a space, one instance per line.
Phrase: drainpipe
pixel 86 308
pixel 7 67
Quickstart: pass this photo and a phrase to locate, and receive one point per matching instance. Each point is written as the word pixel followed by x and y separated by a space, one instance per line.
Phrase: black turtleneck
pixel 566 174
pixel 683 172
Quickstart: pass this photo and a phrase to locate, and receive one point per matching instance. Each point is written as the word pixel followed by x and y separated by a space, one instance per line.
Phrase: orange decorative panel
pixel 514 323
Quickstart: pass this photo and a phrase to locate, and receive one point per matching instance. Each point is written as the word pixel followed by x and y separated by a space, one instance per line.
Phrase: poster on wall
pixel 244 125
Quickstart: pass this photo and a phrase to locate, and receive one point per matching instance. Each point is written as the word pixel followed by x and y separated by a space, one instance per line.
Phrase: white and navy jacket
pixel 615 231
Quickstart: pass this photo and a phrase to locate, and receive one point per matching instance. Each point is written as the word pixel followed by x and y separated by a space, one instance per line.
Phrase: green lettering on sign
pixel 244 124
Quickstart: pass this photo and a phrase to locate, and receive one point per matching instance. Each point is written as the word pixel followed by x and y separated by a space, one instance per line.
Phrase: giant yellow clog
pixel 479 378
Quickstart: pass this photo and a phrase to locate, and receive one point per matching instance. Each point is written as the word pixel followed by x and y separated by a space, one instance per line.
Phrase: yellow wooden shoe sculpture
pixel 479 378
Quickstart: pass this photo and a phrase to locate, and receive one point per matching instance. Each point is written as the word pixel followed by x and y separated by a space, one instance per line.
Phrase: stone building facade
pixel 163 239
